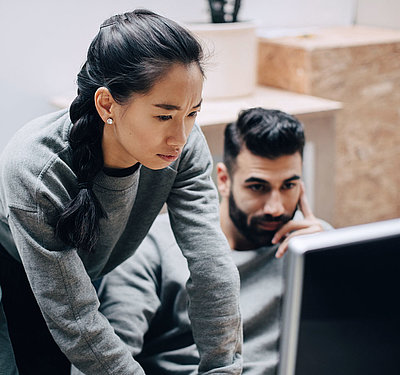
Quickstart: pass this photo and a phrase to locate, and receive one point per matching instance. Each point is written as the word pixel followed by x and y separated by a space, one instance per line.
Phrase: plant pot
pixel 231 64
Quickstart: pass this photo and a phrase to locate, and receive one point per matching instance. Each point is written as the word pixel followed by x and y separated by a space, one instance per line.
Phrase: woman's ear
pixel 104 103
pixel 223 180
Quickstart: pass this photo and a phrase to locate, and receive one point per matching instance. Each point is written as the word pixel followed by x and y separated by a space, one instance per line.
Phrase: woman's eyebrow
pixel 173 107
pixel 198 105
pixel 169 107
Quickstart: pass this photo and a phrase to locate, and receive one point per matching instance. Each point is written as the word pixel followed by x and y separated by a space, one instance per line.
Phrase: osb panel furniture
pixel 360 67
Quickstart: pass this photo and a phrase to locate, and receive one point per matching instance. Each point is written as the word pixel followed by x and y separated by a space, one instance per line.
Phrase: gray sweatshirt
pixel 146 302
pixel 36 181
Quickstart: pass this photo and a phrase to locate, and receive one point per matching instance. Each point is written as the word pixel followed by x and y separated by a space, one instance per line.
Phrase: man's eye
pixel 257 187
pixel 164 117
pixel 288 186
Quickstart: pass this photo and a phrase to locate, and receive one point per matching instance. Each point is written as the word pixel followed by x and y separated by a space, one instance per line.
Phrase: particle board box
pixel 360 67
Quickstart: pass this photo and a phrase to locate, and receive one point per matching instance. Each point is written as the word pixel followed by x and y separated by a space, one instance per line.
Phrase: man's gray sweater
pixel 146 302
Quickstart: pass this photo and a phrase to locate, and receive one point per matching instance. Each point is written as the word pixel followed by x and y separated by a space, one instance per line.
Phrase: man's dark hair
pixel 268 133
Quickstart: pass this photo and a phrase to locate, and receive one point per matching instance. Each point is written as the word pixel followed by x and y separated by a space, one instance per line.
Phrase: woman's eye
pixel 164 117
pixel 193 114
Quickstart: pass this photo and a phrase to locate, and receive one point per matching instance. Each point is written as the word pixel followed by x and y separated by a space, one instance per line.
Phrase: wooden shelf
pixel 215 112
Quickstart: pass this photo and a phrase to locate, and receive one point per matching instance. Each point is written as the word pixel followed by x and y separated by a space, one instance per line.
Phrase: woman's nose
pixel 177 136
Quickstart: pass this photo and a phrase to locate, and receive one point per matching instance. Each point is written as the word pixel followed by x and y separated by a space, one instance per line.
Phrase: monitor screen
pixel 341 313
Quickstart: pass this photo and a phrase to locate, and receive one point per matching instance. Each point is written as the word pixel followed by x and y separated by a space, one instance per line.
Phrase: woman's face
pixel 153 128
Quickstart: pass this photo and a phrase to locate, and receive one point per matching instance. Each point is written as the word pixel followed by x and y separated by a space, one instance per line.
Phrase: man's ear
pixel 104 103
pixel 223 180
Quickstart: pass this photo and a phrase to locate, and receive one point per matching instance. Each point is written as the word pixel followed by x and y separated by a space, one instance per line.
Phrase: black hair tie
pixel 85 185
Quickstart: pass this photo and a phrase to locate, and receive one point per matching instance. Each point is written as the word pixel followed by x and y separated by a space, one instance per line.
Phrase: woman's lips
pixel 168 158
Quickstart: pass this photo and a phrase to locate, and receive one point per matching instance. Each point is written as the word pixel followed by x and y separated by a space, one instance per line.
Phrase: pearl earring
pixel 110 121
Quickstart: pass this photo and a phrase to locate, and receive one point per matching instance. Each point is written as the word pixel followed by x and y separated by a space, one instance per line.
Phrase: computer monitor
pixel 341 308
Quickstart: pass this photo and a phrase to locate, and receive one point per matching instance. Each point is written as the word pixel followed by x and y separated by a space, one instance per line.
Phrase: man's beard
pixel 257 236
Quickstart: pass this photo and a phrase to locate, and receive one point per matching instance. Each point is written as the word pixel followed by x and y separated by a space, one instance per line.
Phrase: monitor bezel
pixel 297 250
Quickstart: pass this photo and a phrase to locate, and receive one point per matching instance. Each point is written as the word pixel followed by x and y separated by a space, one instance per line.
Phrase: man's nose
pixel 274 205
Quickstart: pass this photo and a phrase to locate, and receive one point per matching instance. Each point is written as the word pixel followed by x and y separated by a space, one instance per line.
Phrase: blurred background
pixel 334 64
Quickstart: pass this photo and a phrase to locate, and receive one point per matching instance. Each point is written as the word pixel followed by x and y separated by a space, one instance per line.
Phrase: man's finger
pixel 282 248
pixel 290 226
pixel 305 229
pixel 284 245
pixel 303 203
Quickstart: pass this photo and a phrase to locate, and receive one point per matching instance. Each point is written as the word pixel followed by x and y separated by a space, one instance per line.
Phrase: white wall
pixel 44 42
pixel 382 13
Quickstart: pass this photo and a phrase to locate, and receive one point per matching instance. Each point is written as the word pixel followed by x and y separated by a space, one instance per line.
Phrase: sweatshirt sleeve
pixel 66 297
pixel 213 286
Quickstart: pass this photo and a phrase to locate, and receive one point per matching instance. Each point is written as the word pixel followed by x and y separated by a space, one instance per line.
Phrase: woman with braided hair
pixel 79 190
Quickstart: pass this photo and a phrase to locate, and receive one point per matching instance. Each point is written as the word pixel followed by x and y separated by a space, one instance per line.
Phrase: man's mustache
pixel 271 219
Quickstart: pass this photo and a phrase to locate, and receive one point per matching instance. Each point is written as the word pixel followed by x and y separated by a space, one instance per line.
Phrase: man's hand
pixel 310 224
